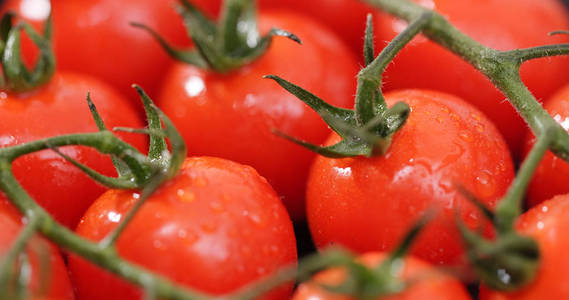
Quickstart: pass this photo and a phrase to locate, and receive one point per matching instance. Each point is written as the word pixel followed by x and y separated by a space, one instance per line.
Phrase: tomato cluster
pixel 226 219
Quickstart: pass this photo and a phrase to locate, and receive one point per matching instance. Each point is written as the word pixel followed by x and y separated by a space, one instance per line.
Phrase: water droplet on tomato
pixel 485 184
pixel 465 136
pixel 194 86
pixel 185 196
pixel 209 227
pixel 217 207
pixel 35 9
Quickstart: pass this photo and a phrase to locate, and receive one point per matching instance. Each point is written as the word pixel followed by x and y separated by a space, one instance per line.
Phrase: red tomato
pixel 58 108
pixel 548 224
pixel 94 37
pixel 550 177
pixel 367 204
pixel 55 284
pixel 429 284
pixel 347 18
pixel 215 227
pixel 231 116
pixel 494 23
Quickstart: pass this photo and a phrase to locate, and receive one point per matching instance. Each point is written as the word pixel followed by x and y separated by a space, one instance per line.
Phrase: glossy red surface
pixel 51 283
pixel 548 224
pixel 500 24
pixel 552 174
pixel 428 283
pixel 368 204
pixel 94 37
pixel 58 108
pixel 215 227
pixel 232 115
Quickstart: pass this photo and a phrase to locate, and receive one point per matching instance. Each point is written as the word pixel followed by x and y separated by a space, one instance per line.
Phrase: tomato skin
pixel 367 204
pixel 60 108
pixel 435 285
pixel 550 177
pixel 346 18
pixel 215 227
pixel 58 284
pixel 232 115
pixel 548 224
pixel 416 65
pixel 94 37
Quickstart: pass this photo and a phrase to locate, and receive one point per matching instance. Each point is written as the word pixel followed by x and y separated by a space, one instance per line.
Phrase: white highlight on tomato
pixel 194 86
pixel 35 9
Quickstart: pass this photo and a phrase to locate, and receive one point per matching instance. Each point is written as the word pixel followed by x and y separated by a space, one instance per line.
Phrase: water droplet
pixel 157 244
pixel 217 207
pixel 209 227
pixel 37 10
pixel 479 127
pixel 544 208
pixel 185 196
pixel 465 136
pixel 485 184
pixel 114 217
pixel 540 225
pixel 200 181
pixel 194 86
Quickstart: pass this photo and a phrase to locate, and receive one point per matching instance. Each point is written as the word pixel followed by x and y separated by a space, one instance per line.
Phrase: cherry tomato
pixel 346 18
pixel 54 284
pixel 215 227
pixel 367 204
pixel 548 224
pixel 95 37
pixel 507 25
pixel 550 177
pixel 427 282
pixel 231 115
pixel 60 108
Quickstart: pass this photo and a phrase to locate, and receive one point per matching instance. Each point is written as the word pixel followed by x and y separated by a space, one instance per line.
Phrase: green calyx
pixel 364 282
pixel 230 44
pixel 505 263
pixel 368 128
pixel 15 76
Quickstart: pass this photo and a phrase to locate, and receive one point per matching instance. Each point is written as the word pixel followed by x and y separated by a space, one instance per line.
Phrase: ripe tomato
pixel 429 283
pixel 231 115
pixel 55 284
pixel 58 108
pixel 548 224
pixel 367 204
pixel 550 177
pixel 215 227
pixel 346 18
pixel 423 64
pixel 94 37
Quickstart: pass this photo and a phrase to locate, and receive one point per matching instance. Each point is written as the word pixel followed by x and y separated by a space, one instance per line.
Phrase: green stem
pixel 104 141
pixel 510 207
pixel 369 78
pixel 502 68
pixel 539 52
pixel 18 246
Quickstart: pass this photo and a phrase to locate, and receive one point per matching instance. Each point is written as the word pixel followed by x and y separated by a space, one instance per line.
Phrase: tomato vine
pixel 148 172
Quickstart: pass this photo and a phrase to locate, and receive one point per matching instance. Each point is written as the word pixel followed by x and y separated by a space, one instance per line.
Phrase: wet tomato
pixel 426 282
pixel 424 64
pixel 367 204
pixel 232 115
pixel 58 108
pixel 547 223
pixel 215 227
